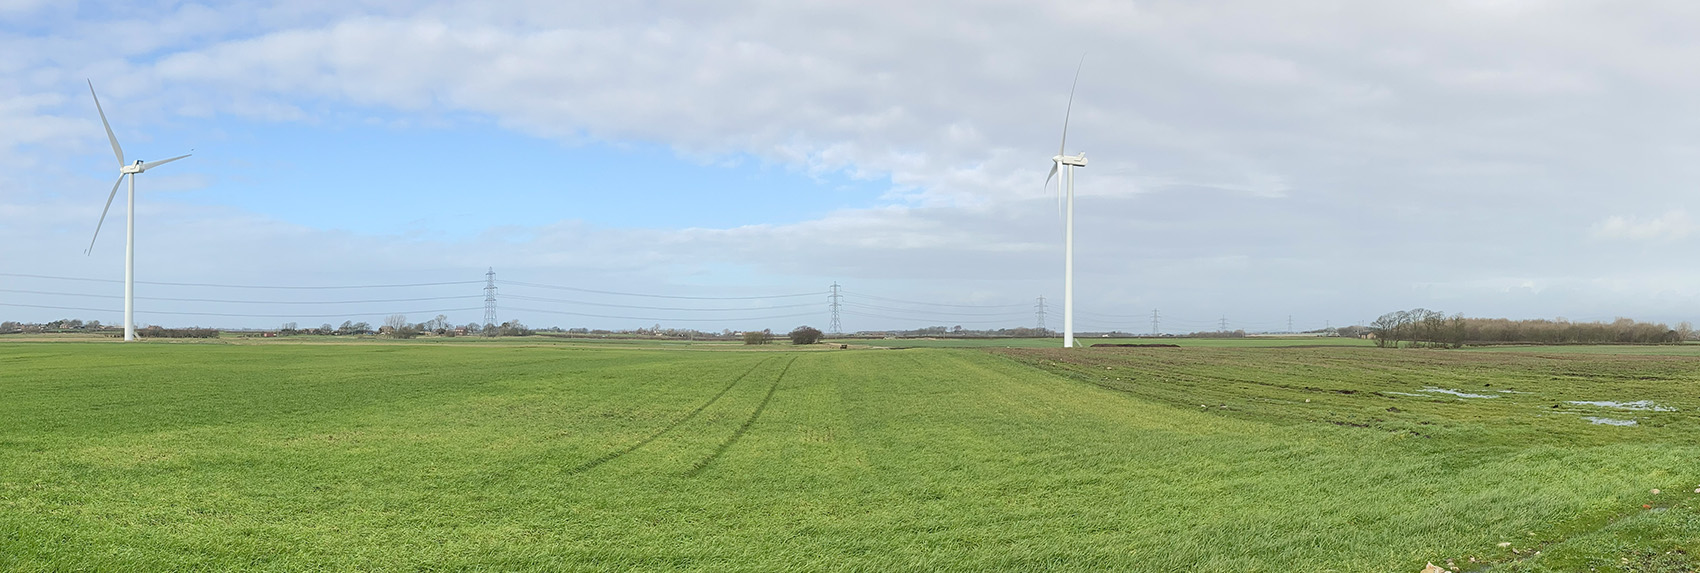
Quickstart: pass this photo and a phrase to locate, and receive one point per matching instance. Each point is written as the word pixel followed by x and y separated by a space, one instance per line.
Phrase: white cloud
pixel 21 6
pixel 1672 225
pixel 1458 144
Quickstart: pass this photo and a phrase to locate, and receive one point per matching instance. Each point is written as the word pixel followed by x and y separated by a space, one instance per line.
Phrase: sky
pixel 720 165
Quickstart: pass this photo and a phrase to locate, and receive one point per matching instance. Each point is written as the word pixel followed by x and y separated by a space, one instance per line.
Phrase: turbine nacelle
pixel 1071 160
pixel 133 168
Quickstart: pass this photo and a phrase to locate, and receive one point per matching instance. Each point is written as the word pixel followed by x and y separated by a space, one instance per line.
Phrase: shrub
pixel 805 335
pixel 758 337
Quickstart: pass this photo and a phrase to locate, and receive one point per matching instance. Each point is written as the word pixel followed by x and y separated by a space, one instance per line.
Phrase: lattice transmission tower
pixel 490 299
pixel 1040 312
pixel 835 327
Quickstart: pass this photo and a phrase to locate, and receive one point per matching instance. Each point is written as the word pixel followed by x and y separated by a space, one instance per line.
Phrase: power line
pixel 641 307
pixel 238 315
pixel 280 287
pixel 1113 315
pixel 643 318
pixel 914 302
pixel 576 289
pixel 1167 319
pixel 932 312
pixel 866 315
pixel 212 300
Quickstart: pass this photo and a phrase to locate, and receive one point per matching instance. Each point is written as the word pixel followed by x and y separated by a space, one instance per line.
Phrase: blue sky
pixel 456 179
pixel 1310 159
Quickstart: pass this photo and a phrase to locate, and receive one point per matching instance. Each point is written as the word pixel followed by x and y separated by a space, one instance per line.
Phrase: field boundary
pixel 617 454
pixel 739 434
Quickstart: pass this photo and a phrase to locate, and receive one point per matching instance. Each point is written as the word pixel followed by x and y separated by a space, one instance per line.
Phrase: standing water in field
pixel 1642 405
pixel 1456 393
pixel 1609 421
pixel 1408 394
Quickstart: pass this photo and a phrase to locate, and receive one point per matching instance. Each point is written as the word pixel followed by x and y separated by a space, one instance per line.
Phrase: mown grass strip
pixel 704 463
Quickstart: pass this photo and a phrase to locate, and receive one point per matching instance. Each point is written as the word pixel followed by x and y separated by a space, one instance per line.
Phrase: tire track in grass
pixel 614 455
pixel 739 434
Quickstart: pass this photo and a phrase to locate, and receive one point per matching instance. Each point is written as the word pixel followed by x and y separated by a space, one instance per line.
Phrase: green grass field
pixel 523 456
pixel 1247 342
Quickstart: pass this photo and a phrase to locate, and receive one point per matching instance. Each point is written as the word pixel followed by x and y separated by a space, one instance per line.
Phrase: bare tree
pixel 399 327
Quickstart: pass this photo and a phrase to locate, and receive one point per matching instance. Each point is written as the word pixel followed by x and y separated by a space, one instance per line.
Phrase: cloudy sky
pixel 1327 161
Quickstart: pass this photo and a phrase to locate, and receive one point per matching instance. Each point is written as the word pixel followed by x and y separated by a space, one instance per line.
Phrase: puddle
pixel 1609 421
pixel 1514 392
pixel 1409 394
pixel 1642 405
pixel 1457 393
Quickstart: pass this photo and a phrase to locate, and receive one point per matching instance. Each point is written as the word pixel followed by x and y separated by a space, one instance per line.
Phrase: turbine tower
pixel 1067 181
pixel 130 170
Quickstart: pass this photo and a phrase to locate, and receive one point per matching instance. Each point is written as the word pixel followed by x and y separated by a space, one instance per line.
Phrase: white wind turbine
pixel 131 170
pixel 1067 181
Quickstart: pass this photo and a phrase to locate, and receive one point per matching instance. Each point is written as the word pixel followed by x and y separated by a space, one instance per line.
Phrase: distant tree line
pixel 77 325
pixel 1218 334
pixel 959 332
pixel 1423 327
pixel 61 325
pixel 162 332
pixel 755 337
pixel 1353 331
pixel 1620 331
pixel 1418 327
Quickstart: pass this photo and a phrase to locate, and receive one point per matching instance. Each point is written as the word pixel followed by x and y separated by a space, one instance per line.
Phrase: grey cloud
pixel 1338 159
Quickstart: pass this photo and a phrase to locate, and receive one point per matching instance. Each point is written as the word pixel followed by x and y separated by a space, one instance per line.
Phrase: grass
pixel 1686 349
pixel 1247 342
pixel 540 457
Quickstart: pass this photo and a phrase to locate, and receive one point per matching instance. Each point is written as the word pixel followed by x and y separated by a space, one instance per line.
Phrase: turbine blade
pixel 1054 165
pixel 153 164
pixel 116 150
pixel 1070 110
pixel 109 198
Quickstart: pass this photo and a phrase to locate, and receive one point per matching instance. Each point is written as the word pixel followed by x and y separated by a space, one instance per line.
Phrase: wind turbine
pixel 1057 163
pixel 130 170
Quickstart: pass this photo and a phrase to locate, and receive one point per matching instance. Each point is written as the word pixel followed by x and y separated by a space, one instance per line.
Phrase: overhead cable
pixel 238 315
pixel 370 301
pixel 281 287
pixel 616 293
pixel 640 307
pixel 715 319
pixel 936 312
pixel 916 302
pixel 866 315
